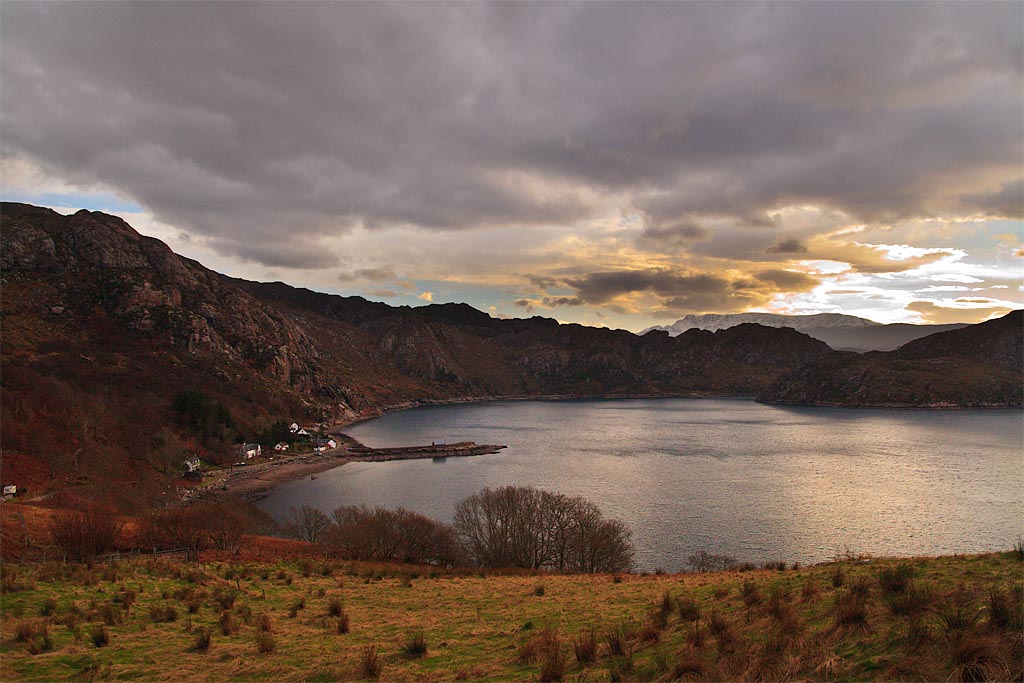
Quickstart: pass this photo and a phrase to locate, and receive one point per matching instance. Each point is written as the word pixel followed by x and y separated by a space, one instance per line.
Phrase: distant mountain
pixel 841 332
pixel 977 366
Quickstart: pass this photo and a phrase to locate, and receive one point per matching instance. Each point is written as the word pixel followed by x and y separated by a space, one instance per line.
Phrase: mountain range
pixel 102 327
pixel 839 331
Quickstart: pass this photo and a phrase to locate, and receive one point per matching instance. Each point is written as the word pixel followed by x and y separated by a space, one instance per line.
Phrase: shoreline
pixel 255 484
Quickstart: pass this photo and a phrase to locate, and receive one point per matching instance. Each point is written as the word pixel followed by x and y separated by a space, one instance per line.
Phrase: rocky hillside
pixel 102 327
pixel 977 366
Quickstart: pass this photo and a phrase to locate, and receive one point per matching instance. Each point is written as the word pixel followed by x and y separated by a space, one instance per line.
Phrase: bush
pixel 957 612
pixel 342 623
pixel 203 638
pixel 163 613
pixel 616 641
pixel 913 600
pixel 371 664
pixel 552 663
pixel 895 579
pixel 538 590
pixel 26 630
pixel 415 645
pixel 851 608
pixel 228 624
pixel 703 561
pixel 334 607
pixel 265 643
pixel 751 593
pixel 1006 609
pixel 111 614
pixel 100 635
pixel 584 646
pixel 688 608
pixel 83 536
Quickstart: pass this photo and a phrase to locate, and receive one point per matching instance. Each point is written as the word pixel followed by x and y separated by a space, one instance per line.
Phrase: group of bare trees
pixel 195 528
pixel 518 526
pixel 84 536
pixel 507 527
pixel 378 534
pixel 512 526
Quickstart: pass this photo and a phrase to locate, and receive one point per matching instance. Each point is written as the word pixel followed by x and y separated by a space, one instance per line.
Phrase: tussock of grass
pixel 371 664
pixel 895 579
pixel 265 643
pixel 415 645
pixel 204 637
pixel 688 609
pixel 100 635
pixel 584 646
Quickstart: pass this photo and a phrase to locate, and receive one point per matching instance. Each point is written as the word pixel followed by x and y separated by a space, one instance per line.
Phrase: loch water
pixel 729 476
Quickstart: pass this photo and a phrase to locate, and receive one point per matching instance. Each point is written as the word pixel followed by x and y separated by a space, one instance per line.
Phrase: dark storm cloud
pixel 269 125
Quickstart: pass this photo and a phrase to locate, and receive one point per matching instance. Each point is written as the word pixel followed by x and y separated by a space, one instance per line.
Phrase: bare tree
pixel 308 524
pixel 526 527
pixel 391 535
pixel 85 535
pixel 226 525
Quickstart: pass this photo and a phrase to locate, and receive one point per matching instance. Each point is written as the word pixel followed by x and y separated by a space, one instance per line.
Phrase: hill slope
pixel 943 619
pixel 102 327
pixel 977 366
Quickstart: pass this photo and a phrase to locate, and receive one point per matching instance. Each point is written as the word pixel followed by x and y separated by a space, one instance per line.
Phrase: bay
pixel 728 476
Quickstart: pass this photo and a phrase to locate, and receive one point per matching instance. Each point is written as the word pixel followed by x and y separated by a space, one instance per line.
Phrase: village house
pixel 324 444
pixel 281 447
pixel 10 490
pixel 293 427
pixel 251 450
pixel 191 464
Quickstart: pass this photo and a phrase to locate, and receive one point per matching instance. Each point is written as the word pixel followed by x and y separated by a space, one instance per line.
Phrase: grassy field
pixel 949 618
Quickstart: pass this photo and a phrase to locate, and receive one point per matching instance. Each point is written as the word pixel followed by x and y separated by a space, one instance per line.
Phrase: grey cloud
pixel 675 235
pixel 787 246
pixel 367 274
pixel 552 301
pixel 1008 202
pixel 278 124
pixel 787 280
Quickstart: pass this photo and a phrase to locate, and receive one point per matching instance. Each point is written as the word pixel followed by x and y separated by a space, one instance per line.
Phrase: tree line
pixel 513 526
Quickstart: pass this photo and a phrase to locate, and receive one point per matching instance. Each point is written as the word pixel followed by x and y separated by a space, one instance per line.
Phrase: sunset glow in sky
pixel 602 163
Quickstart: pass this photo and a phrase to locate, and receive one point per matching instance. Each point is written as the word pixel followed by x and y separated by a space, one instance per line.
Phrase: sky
pixel 613 164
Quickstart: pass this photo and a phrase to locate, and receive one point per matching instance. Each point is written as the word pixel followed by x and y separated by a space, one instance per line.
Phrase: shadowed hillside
pixel 102 327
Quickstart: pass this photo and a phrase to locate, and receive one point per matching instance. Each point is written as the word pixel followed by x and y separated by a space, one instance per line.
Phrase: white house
pixel 191 464
pixel 293 427
pixel 302 432
pixel 281 447
pixel 251 450
pixel 10 489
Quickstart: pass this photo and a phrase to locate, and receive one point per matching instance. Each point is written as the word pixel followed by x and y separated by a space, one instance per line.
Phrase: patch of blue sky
pixel 76 200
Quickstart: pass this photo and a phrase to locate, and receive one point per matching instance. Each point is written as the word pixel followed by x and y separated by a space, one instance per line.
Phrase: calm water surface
pixel 730 476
